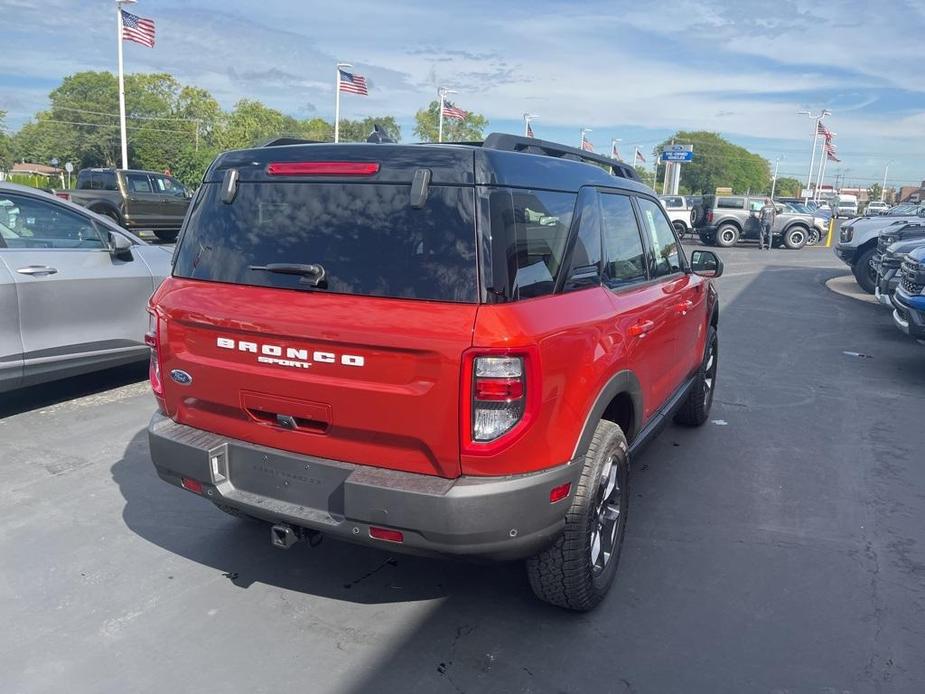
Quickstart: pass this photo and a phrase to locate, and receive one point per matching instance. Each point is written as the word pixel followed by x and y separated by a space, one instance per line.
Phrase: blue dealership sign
pixel 677 156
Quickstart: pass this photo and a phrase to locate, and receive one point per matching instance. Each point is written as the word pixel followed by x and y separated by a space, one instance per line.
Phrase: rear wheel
pixel 864 272
pixel 795 238
pixel 114 216
pixel 697 404
pixel 578 569
pixel 727 235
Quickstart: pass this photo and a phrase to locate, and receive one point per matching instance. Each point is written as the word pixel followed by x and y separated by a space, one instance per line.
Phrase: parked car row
pixel 725 220
pixel 887 257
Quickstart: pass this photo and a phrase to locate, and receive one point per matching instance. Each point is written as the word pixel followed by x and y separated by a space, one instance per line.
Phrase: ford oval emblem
pixel 181 377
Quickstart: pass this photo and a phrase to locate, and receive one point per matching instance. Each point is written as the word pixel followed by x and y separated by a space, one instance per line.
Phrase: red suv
pixel 441 349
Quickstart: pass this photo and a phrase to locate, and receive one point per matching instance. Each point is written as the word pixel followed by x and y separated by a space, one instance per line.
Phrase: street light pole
pixel 774 180
pixel 883 186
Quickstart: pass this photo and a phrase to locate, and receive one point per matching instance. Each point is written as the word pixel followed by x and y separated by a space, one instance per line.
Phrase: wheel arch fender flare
pixel 624 381
pixel 104 206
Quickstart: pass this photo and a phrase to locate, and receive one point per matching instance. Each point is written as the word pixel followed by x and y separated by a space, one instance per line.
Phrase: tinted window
pixel 530 230
pixel 624 258
pixel 730 203
pixel 585 265
pixel 673 202
pixel 108 180
pixel 137 183
pixel 164 184
pixel 367 237
pixel 665 250
pixel 29 223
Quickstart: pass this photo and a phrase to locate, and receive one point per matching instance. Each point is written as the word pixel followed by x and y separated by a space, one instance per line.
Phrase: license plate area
pixel 294 479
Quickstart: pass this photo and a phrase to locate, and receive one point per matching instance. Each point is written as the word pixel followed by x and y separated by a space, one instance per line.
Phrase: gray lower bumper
pixel 495 517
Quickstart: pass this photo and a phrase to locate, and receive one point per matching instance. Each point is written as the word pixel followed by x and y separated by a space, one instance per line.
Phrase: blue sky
pixel 635 71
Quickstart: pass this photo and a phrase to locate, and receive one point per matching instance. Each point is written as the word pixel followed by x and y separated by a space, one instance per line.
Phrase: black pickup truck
pixel 134 199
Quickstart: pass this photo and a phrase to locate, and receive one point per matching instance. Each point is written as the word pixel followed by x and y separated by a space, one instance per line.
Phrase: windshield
pixel 367 237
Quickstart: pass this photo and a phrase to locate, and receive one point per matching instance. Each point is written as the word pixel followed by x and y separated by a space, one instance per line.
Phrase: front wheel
pixel 578 569
pixel 815 236
pixel 696 407
pixel 864 271
pixel 680 229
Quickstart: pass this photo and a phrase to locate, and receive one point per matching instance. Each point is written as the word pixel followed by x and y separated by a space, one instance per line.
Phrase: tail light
pixel 62 194
pixel 152 339
pixel 708 215
pixel 501 395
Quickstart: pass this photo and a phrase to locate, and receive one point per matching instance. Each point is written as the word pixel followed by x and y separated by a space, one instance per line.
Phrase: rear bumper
pixel 493 517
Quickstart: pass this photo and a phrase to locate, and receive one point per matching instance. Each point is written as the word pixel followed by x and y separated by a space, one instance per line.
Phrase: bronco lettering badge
pixel 297 358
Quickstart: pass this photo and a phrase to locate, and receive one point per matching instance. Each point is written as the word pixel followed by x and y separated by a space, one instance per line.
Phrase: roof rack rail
pixel 282 141
pixel 530 145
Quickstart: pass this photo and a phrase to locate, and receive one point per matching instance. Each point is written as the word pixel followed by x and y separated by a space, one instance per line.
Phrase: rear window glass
pixel 367 237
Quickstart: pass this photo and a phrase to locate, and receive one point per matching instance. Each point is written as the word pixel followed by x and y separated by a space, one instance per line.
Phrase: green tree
pixel 426 127
pixel 359 130
pixel 787 188
pixel 645 173
pixel 874 191
pixel 718 162
pixel 251 123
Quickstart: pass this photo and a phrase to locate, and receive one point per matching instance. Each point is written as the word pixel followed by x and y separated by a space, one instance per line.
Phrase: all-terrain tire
pixel 565 574
pixel 864 273
pixel 705 238
pixel 680 229
pixel 727 236
pixel 795 237
pixel 106 212
pixel 696 407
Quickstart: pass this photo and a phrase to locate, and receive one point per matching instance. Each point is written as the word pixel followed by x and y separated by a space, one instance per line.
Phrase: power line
pixel 116 115
pixel 107 125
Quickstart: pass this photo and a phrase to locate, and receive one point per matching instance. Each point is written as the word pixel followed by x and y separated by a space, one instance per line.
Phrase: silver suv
pixel 724 220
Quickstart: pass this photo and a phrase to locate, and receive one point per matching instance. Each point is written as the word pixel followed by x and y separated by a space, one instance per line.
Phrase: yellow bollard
pixel 828 239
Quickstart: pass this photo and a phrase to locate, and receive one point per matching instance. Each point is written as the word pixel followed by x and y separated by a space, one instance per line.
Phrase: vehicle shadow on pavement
pixel 55 392
pixel 192 527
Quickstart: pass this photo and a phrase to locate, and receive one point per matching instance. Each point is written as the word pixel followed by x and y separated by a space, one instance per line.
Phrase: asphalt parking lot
pixel 777 549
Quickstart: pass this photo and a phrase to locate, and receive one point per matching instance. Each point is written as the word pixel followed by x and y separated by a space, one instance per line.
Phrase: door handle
pixel 37 270
pixel 683 307
pixel 641 328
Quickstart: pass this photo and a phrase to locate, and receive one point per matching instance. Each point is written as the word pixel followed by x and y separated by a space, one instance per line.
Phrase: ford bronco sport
pixel 444 349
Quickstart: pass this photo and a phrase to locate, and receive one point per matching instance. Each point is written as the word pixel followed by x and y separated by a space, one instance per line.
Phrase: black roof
pixel 502 160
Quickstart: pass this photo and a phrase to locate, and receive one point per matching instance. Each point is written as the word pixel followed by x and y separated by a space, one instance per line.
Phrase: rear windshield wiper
pixel 313 274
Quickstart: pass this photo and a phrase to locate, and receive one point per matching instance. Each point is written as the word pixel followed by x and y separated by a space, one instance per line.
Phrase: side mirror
pixel 706 264
pixel 119 246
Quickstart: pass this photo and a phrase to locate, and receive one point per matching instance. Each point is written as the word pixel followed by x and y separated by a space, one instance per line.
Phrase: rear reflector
pixel 194 486
pixel 499 388
pixel 323 168
pixel 560 492
pixel 386 534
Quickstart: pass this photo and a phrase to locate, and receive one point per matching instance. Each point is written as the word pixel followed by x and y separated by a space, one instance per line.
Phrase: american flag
pixel 137 29
pixel 352 83
pixel 830 152
pixel 586 143
pixel 615 153
pixel 529 130
pixel 822 130
pixel 638 157
pixel 450 110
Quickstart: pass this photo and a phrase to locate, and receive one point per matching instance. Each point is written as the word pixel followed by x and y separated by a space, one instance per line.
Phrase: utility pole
pixel 774 180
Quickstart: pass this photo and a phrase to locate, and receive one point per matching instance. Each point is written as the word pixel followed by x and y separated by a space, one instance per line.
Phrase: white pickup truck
pixel 679 212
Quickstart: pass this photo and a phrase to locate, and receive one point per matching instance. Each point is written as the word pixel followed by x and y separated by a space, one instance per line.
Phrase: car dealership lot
pixel 776 549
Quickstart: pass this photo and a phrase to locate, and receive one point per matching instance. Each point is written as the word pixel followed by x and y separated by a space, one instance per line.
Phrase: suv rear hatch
pixel 361 364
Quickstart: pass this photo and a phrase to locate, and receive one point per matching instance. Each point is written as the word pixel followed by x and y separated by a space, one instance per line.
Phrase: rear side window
pixel 138 183
pixel 673 202
pixel 530 231
pixel 730 203
pixel 624 257
pixel 666 254
pixel 107 180
pixel 367 237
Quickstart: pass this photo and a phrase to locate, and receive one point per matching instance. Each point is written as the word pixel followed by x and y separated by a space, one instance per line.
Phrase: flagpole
pixel 825 161
pixel 442 93
pixel 337 101
pixel 122 134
